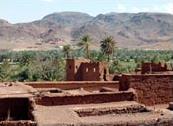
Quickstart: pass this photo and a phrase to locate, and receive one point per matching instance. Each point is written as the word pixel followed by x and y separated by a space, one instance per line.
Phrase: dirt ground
pixel 65 115
pixel 16 90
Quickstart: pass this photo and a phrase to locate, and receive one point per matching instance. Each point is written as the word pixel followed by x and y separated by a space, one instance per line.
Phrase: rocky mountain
pixel 140 30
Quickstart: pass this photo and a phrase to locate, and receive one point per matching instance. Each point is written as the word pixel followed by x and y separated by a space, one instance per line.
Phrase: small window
pixel 94 70
pixel 86 69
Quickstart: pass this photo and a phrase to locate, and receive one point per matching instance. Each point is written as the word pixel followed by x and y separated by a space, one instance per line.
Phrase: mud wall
pixel 90 72
pixel 94 71
pixel 73 69
pixel 150 89
pixel 87 85
pixel 85 70
pixel 18 123
pixel 153 67
pixel 86 99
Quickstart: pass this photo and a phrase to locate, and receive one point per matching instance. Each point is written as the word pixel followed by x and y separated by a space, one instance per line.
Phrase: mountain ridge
pixel 130 30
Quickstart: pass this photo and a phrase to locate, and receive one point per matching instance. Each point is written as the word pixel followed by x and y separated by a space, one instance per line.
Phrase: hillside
pixel 141 30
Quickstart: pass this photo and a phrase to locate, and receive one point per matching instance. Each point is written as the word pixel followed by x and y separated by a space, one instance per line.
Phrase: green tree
pixel 66 50
pixel 27 57
pixel 5 71
pixel 107 46
pixel 84 44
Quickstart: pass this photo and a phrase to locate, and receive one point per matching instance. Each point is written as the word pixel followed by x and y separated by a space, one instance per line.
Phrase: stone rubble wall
pixel 150 89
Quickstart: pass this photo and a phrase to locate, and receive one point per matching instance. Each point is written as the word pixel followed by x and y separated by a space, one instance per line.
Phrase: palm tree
pixel 84 44
pixel 66 50
pixel 107 46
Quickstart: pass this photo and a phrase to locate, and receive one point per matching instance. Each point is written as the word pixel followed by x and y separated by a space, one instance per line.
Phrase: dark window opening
pixel 15 109
pixel 70 67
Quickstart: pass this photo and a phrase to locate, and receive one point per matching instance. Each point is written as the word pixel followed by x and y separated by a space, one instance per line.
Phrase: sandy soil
pixel 59 115
pixel 15 90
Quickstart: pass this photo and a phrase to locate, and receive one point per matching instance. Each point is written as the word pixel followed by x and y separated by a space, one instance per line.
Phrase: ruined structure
pixel 86 70
pixel 87 99
pixel 17 105
pixel 150 89
pixel 150 68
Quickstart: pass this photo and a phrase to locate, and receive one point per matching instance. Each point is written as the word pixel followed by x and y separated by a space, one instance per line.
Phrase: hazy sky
pixel 28 10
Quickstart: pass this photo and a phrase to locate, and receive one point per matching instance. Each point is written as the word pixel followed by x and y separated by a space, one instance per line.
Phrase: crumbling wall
pixel 153 67
pixel 73 69
pixel 94 71
pixel 70 70
pixel 129 109
pixel 85 99
pixel 86 70
pixel 18 123
pixel 150 89
pixel 90 72
pixel 66 85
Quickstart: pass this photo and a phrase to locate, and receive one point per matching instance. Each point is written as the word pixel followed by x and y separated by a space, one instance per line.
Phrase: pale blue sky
pixel 28 10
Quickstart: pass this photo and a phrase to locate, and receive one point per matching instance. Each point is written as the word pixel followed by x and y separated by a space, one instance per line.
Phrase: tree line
pixel 107 46
pixel 50 65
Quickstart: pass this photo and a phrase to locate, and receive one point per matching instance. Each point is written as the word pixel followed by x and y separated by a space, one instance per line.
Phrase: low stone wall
pixel 18 123
pixel 86 99
pixel 150 89
pixel 67 85
pixel 129 109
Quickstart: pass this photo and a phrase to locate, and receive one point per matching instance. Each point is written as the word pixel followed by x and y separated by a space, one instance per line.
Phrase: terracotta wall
pixel 90 72
pixel 73 69
pixel 86 99
pixel 86 70
pixel 87 85
pixel 67 85
pixel 70 70
pixel 18 123
pixel 153 67
pixel 150 89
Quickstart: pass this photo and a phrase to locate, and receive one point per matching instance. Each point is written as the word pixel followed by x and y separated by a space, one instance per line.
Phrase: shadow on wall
pixel 15 109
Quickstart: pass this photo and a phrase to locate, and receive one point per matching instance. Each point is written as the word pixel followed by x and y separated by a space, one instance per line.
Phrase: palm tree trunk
pixel 87 52
pixel 108 57
pixel 67 55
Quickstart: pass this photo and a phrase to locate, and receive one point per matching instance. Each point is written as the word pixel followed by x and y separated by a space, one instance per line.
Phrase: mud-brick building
pixel 149 68
pixel 86 70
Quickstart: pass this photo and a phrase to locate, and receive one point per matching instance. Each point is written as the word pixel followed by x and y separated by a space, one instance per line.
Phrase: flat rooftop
pixel 99 114
pixel 15 90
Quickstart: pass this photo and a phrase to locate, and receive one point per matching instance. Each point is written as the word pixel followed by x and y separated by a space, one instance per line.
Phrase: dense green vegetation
pixel 50 65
